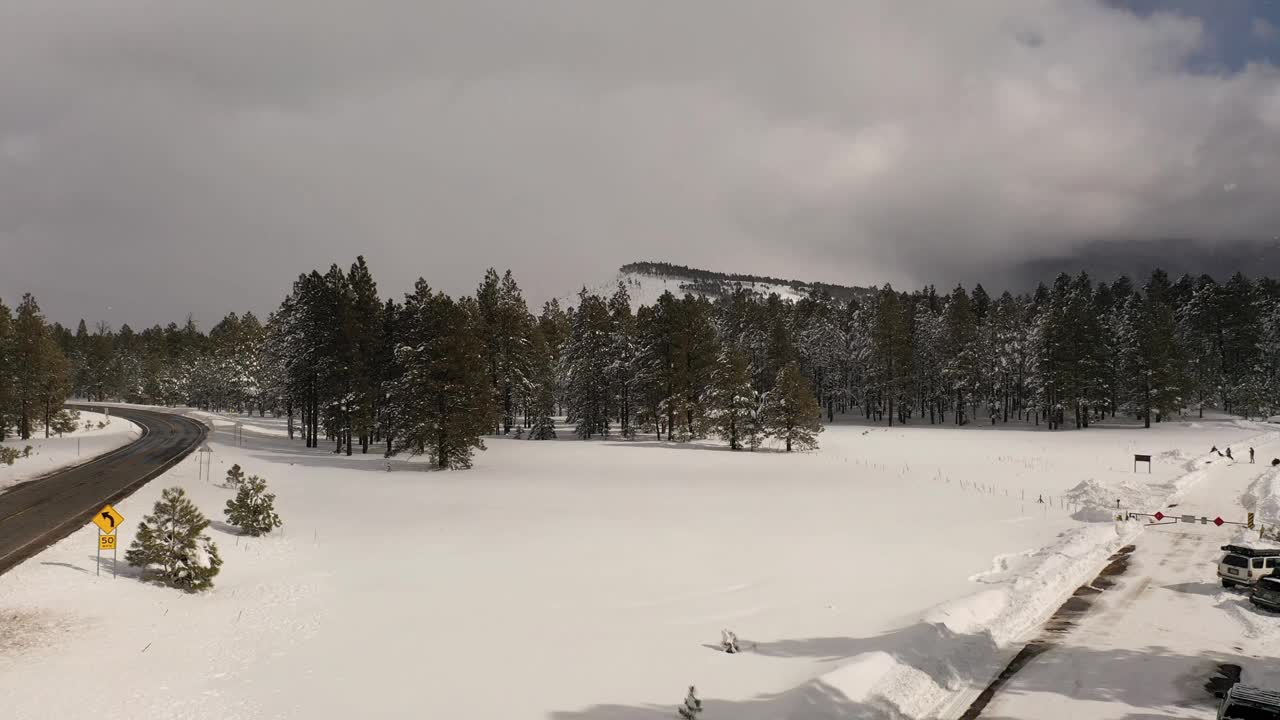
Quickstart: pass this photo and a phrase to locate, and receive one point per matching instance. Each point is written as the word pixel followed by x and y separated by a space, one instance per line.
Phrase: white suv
pixel 1243 565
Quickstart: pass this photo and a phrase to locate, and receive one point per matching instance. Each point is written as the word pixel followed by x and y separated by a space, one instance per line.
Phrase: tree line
pixel 433 374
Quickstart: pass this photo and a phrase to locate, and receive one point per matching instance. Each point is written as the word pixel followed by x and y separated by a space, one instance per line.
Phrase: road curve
pixel 38 513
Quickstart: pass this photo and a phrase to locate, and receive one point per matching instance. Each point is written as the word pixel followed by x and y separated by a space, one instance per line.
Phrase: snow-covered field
pixel 886 575
pixel 49 454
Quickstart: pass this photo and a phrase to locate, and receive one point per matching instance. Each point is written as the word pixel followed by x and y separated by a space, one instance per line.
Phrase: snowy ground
pixel 49 454
pixel 887 575
pixel 1154 641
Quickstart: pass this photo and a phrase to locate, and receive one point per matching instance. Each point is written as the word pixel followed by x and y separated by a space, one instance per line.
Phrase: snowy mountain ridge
pixel 647 281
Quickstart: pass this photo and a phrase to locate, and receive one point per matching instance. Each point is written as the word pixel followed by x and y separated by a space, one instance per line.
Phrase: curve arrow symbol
pixel 107 516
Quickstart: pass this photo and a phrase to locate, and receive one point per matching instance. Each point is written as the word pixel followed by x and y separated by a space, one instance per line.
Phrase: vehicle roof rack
pixel 1249 551
pixel 1248 694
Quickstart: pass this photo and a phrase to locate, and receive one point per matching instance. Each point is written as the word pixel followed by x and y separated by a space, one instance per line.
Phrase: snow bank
pixel 1097 500
pixel 1263 498
pixel 946 659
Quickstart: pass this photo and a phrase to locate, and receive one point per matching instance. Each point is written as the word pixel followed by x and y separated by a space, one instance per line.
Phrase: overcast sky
pixel 160 158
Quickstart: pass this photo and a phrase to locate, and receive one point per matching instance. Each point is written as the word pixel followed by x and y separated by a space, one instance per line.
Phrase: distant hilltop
pixel 646 281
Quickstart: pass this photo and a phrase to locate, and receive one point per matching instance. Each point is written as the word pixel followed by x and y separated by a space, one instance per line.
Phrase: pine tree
pixel 692 706
pixel 488 299
pixel 442 400
pixel 235 476
pixel 890 353
pixel 791 413
pixel 622 367
pixel 172 540
pixel 587 360
pixel 513 325
pixel 733 400
pixel 542 404
pixel 39 370
pixel 253 508
pixel 8 396
pixel 366 370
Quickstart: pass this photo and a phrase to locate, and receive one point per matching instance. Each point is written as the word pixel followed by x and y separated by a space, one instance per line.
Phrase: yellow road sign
pixel 106 542
pixel 108 519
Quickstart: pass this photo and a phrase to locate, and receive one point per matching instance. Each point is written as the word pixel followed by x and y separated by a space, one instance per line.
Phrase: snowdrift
pixel 938 666
pixel 1263 498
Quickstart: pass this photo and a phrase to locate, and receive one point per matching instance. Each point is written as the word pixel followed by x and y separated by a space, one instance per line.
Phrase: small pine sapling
pixel 235 476
pixel 66 421
pixel 253 508
pixel 9 455
pixel 172 539
pixel 728 641
pixel 692 705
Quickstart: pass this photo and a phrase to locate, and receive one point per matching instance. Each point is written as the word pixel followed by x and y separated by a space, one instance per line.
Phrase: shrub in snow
pixel 26 451
pixel 9 455
pixel 692 705
pixel 791 412
pixel 728 641
pixel 171 540
pixel 64 422
pixel 235 476
pixel 253 508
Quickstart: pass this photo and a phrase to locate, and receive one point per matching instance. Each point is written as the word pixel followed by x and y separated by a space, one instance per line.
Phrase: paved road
pixel 37 514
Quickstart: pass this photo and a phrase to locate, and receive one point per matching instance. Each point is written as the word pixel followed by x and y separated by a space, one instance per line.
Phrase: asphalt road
pixel 37 514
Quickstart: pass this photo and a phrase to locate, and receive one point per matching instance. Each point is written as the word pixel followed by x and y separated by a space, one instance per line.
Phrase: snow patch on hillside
pixel 645 289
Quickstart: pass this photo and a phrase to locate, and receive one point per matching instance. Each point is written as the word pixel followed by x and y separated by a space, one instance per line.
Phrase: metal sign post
pixel 204 455
pixel 107 520
pixel 1142 458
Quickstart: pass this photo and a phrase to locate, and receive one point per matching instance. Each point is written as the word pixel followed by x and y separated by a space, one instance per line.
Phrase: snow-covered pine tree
pixel 442 400
pixel 622 367
pixel 587 360
pixel 513 327
pixel 253 508
pixel 732 399
pixel 235 476
pixel 366 371
pixel 692 706
pixel 542 392
pixel 172 540
pixel 728 641
pixel 791 412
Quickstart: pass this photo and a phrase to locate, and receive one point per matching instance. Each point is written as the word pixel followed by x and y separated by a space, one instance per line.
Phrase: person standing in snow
pixel 1250 456
pixel 1229 454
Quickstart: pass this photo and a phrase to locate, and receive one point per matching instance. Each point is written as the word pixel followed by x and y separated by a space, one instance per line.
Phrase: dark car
pixel 1266 594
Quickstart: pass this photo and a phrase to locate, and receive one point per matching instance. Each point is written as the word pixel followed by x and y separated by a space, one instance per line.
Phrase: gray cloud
pixel 160 159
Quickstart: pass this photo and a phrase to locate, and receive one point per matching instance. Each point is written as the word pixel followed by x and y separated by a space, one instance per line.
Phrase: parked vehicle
pixel 1266 593
pixel 1243 702
pixel 1245 564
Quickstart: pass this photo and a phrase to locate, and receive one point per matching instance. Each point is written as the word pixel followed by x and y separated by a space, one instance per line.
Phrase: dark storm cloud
pixel 165 158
